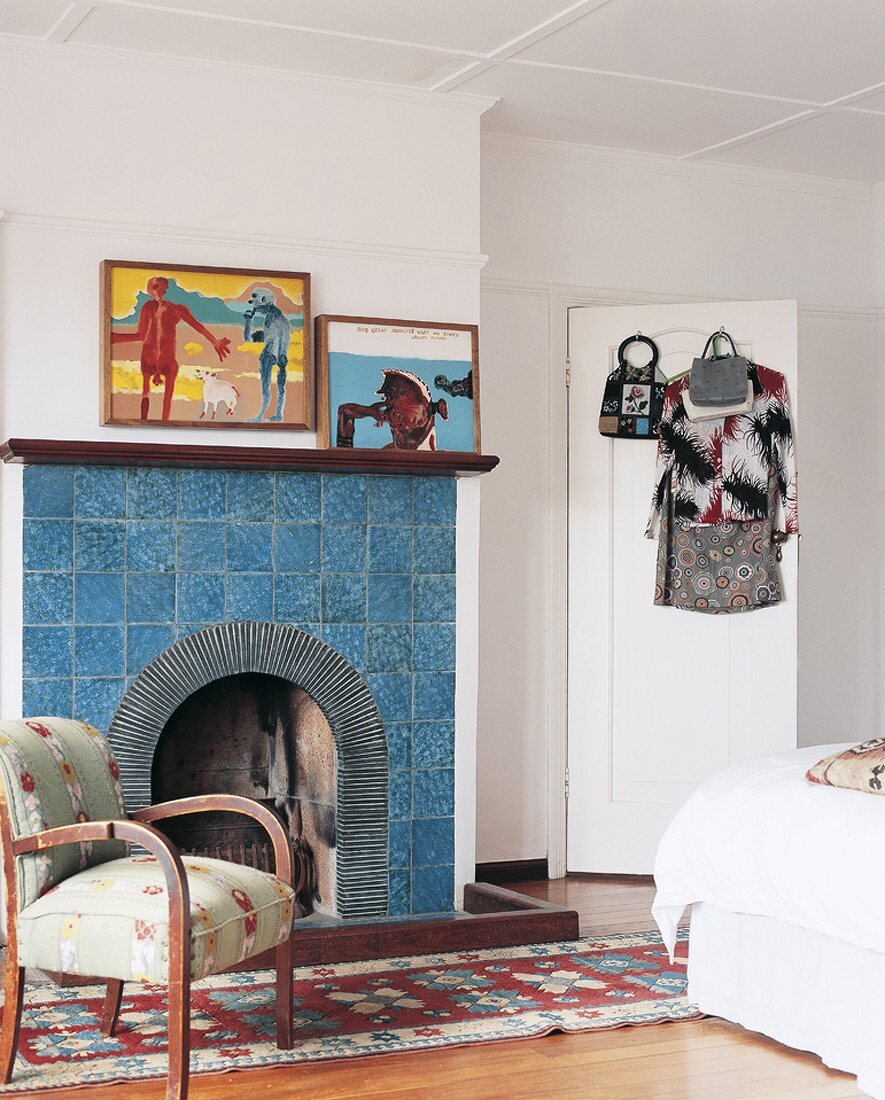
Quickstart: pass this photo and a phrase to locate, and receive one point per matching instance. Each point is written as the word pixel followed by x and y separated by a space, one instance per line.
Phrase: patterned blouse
pixel 727 469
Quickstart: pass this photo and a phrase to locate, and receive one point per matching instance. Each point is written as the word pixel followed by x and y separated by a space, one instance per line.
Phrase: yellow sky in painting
pixel 126 282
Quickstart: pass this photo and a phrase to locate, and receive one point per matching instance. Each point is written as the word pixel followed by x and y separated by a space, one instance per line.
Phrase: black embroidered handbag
pixel 634 396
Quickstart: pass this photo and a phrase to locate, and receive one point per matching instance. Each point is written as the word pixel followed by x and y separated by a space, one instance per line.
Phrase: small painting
pixel 205 346
pixel 397 385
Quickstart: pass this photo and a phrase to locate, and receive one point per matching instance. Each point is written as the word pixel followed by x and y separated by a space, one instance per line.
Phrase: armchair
pixel 78 903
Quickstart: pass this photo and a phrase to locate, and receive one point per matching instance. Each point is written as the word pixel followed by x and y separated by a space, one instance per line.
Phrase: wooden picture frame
pixel 226 356
pixel 418 366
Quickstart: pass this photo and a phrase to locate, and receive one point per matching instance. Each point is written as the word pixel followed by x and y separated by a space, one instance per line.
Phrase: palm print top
pixel 729 468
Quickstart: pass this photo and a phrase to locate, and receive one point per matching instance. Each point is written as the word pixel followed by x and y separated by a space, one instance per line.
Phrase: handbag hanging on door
pixel 634 395
pixel 720 381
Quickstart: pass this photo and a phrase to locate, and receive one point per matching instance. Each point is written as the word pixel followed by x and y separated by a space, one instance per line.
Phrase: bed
pixel 786 881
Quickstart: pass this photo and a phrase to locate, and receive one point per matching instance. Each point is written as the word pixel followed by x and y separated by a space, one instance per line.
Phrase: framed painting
pixel 205 347
pixel 397 385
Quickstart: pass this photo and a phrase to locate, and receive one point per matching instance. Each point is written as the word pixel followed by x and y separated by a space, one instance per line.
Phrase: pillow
pixel 860 768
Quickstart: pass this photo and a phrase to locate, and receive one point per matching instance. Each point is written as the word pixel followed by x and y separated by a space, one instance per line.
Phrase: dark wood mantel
pixel 76 452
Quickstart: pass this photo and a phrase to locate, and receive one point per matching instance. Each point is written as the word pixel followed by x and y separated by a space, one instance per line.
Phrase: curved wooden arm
pixel 236 804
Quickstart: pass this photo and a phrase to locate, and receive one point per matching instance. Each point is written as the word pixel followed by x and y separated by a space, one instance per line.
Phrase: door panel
pixel 659 698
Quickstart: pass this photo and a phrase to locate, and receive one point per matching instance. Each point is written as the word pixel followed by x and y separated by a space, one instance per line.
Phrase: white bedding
pixel 759 839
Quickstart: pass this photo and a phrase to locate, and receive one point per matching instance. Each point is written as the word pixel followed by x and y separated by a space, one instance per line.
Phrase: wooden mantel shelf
pixel 76 452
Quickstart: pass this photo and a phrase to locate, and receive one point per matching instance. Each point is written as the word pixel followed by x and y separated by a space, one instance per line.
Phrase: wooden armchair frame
pixel 138 830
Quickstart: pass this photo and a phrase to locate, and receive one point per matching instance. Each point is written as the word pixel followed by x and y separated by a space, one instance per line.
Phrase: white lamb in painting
pixel 217 392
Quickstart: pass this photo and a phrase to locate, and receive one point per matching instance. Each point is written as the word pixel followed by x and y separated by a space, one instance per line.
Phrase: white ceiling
pixel 790 85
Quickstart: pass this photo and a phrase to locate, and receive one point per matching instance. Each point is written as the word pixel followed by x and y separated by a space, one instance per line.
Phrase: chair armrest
pixel 236 804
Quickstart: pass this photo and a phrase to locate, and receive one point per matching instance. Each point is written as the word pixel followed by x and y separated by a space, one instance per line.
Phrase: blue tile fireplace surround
pixel 121 563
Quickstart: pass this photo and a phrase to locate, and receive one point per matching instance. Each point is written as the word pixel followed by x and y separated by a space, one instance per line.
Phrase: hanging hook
pixel 638 333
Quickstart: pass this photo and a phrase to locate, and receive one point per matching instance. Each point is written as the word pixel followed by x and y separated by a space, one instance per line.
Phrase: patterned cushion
pixel 57 772
pixel 860 768
pixel 112 921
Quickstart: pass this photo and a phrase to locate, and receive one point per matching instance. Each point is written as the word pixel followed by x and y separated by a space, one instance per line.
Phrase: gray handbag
pixel 720 380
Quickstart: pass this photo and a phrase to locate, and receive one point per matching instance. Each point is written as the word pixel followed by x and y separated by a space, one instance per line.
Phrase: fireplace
pixel 271 712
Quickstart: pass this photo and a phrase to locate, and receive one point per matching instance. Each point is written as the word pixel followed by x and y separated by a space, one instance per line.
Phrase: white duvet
pixel 760 839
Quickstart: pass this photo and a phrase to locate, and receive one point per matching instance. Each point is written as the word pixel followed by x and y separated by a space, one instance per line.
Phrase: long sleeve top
pixel 730 468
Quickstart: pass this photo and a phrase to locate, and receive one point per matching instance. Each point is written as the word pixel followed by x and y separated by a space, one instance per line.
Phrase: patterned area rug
pixel 344 1010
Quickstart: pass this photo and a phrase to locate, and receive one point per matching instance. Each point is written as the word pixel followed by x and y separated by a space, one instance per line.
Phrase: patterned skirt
pixel 718 568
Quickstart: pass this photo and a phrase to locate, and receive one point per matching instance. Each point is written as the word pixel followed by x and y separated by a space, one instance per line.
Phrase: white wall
pixel 564 224
pixel 373 190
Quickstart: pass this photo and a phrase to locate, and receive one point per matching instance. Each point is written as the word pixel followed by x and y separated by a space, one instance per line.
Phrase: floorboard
pixel 696 1060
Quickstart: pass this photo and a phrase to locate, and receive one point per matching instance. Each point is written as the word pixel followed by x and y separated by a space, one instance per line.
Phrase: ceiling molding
pixel 599 156
pixel 360 250
pixel 128 60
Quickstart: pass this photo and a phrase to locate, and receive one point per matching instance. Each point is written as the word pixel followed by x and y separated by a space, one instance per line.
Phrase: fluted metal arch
pixel 337 689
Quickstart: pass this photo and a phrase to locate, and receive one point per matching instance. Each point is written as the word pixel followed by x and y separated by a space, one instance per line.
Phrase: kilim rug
pixel 344 1010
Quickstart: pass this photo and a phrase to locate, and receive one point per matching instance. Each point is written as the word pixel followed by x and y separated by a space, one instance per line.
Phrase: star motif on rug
pixel 559 982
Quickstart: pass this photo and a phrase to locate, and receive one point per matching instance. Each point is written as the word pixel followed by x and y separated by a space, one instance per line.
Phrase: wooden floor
pixel 677 1061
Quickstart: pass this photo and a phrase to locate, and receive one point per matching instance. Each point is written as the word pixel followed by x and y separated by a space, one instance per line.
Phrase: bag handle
pixel 720 334
pixel 639 339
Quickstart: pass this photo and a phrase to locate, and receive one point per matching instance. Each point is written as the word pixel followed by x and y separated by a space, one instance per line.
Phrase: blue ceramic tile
pixel 185 630
pixel 434 549
pixel 434 500
pixel 48 698
pixel 390 549
pixel 95 701
pixel 201 494
pixel 151 493
pixel 433 793
pixel 344 598
pixel 98 598
pixel 48 598
pixel 434 647
pixel 297 597
pixel 399 738
pixel 98 651
pixel 400 788
pixel 99 545
pixel 393 695
pixel 433 744
pixel 249 596
pixel 390 500
pixel 150 547
pixel 344 548
pixel 250 547
pixel 399 899
pixel 296 547
pixel 143 643
pixel 150 597
pixel 434 695
pixel 434 599
pixel 201 547
pixel 400 843
pixel 433 889
pixel 48 544
pixel 100 492
pixel 47 651
pixel 349 640
pixel 389 648
pixel 249 495
pixel 390 597
pixel 344 498
pixel 49 491
pixel 433 841
pixel 200 598
pixel 298 497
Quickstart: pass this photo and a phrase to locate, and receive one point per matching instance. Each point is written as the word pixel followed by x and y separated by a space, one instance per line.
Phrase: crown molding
pixel 599 156
pixel 80 55
pixel 360 250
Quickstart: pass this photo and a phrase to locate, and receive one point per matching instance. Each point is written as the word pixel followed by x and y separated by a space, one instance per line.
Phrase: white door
pixel 659 698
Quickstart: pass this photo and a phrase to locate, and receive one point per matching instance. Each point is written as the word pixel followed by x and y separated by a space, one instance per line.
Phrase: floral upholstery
pixel 113 920
pixel 58 772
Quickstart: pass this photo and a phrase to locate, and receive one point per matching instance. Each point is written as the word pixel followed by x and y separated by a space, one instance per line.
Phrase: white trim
pixel 45 223
pixel 94 56
pixel 602 157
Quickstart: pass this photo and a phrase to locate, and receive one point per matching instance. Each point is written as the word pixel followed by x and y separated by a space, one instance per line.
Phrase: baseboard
pixel 512 870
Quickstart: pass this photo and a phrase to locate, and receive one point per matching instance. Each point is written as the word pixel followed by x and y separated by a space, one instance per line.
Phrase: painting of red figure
pixel 205 347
